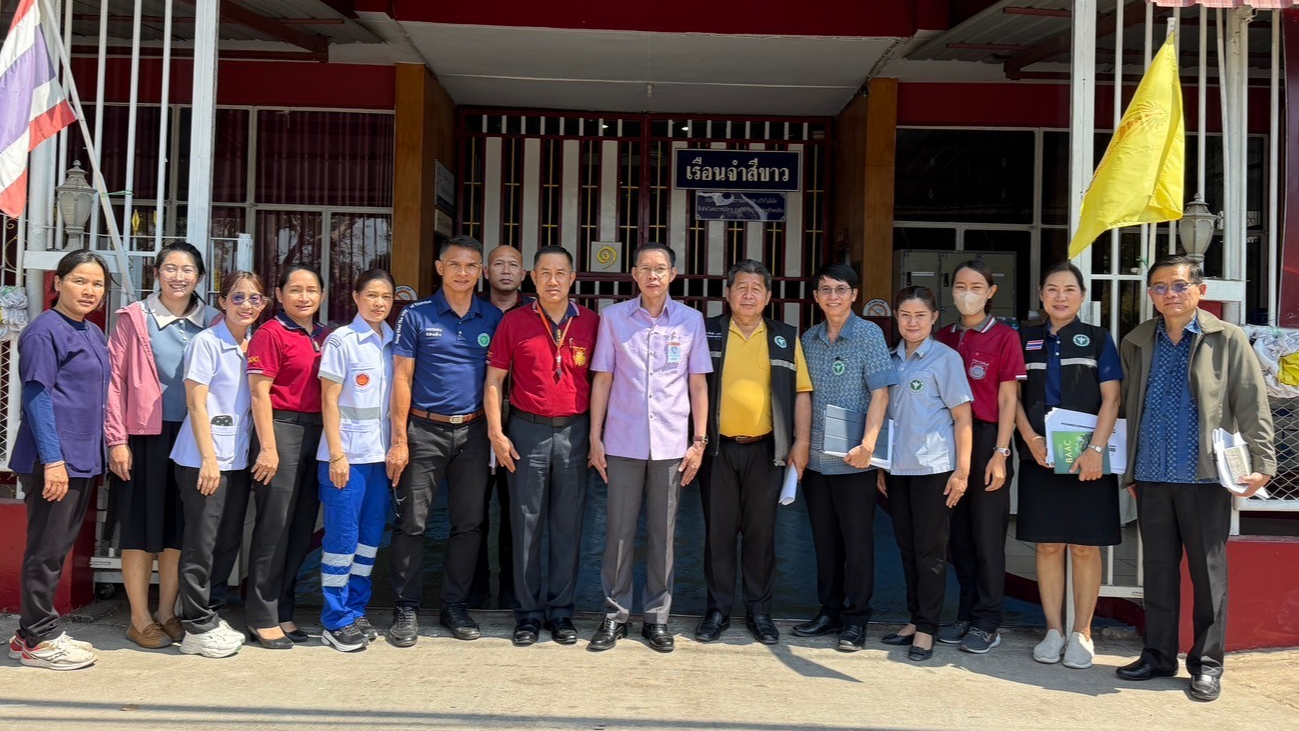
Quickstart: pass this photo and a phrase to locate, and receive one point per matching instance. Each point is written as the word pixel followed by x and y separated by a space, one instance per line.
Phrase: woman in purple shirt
pixel 59 453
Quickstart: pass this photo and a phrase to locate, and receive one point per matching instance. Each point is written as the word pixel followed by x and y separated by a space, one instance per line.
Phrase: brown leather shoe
pixel 152 638
pixel 173 629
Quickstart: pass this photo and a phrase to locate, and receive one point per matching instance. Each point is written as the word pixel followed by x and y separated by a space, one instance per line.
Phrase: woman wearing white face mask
pixel 994 365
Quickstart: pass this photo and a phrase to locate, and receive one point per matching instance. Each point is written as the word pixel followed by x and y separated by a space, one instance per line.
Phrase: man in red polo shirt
pixel 546 346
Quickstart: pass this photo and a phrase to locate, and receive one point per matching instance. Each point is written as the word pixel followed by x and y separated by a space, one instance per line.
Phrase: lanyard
pixel 559 336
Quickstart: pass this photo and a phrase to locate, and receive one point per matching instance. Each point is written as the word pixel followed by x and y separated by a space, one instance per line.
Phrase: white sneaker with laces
pixel 60 653
pixel 1050 648
pixel 224 628
pixel 213 643
pixel 1080 652
pixel 16 646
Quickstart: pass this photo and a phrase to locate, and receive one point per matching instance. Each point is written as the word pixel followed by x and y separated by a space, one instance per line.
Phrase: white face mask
pixel 970 303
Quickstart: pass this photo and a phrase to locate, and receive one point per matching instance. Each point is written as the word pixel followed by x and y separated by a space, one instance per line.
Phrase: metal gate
pixel 602 185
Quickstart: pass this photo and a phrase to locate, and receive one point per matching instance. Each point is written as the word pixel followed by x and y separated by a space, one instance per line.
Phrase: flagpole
pixel 101 188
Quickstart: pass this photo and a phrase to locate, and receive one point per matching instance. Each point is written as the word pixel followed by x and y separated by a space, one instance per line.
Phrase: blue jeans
pixel 354 520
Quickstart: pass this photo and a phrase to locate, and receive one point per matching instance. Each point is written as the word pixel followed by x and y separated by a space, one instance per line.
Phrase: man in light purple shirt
pixel 649 395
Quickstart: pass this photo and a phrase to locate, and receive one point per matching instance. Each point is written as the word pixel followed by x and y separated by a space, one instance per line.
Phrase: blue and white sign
pixel 743 170
pixel 734 205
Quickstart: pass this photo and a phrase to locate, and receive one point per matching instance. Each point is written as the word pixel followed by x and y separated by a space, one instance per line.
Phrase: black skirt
pixel 147 507
pixel 1063 509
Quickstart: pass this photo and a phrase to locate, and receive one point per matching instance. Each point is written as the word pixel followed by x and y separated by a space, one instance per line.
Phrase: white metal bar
pixel 569 196
pixel 1202 94
pixel 202 132
pixel 678 211
pixel 609 191
pixel 753 230
pixel 1082 114
pixel 128 201
pixel 1274 168
pixel 61 169
pixel 530 202
pixel 1174 28
pixel 100 73
pixel 163 108
pixel 1114 233
pixel 715 262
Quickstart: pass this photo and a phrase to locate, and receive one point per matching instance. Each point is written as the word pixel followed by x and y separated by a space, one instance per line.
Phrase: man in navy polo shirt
pixel 438 431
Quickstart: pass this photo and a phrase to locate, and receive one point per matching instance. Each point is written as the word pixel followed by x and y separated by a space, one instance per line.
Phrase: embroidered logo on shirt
pixel 579 356
pixel 432 332
pixel 978 370
pixel 917 386
pixel 780 341
pixel 362 379
pixel 484 339
pixel 1033 345
pixel 838 368
pixel 254 361
pixel 1081 341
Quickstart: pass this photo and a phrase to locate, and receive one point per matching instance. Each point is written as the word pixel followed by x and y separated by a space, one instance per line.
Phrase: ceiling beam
pixel 234 12
pixel 1059 44
pixel 987 47
pixel 1038 12
pixel 147 19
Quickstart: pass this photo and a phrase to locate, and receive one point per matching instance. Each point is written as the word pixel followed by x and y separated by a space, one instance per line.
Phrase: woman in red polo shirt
pixel 994 365
pixel 283 373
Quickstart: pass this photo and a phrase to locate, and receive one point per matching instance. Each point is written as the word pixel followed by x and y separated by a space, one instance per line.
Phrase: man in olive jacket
pixel 1186 374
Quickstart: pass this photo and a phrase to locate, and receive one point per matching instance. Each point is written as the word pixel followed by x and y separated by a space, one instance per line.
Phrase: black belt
pixel 981 422
pixel 748 440
pixel 296 417
pixel 555 422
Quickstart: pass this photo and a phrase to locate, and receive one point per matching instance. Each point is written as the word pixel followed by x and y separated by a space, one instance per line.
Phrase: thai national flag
pixel 32 104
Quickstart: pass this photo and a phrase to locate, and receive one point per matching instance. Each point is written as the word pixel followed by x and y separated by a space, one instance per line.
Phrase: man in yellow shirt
pixel 759 424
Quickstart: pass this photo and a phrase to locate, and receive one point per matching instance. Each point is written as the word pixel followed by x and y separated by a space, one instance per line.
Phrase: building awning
pixel 1260 4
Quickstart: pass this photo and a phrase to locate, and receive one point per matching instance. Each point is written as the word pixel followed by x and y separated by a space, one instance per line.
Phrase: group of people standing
pixel 521 397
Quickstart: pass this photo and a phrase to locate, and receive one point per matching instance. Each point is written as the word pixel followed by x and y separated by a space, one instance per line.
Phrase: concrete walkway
pixel 734 684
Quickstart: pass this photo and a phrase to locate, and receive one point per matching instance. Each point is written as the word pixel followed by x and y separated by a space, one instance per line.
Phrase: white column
pixel 207 18
pixel 491 193
pixel 1082 117
pixel 570 190
pixel 530 205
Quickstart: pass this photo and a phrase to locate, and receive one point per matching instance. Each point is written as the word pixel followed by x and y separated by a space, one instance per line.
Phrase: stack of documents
pixel 844 430
pixel 1232 457
pixel 1071 431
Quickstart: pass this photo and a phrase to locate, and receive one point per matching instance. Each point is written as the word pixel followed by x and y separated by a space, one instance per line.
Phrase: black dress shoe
pixel 1206 687
pixel 1141 669
pixel 852 638
pixel 821 624
pixel 562 631
pixel 278 643
pixel 455 617
pixel 658 637
pixel 297 636
pixel 525 632
pixel 405 627
pixel 920 654
pixel 763 629
pixel 607 635
pixel 712 627
pixel 897 640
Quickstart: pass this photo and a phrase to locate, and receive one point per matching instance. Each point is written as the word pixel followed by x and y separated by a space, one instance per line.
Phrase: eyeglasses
pixel 256 300
pixel 840 291
pixel 1175 288
pixel 172 271
pixel 656 272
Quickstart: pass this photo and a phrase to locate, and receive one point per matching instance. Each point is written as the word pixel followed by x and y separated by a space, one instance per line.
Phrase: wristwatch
pixel 1003 451
pixel 702 439
pixel 1096 448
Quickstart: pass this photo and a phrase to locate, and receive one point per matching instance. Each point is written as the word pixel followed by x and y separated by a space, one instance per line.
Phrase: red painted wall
pixel 76 587
pixel 250 83
pixel 1262 594
pixel 1041 105
pixel 776 17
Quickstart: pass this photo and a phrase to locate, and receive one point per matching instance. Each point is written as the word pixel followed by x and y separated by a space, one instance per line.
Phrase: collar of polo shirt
pixel 153 303
pixel 921 350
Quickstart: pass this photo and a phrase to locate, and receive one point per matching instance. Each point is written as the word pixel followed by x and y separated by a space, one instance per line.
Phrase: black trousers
pixel 920 522
pixel 547 495
pixel 740 488
pixel 214 532
pixel 1197 519
pixel 498 484
pixel 287 510
pixel 841 509
pixel 978 538
pixel 460 454
pixel 52 529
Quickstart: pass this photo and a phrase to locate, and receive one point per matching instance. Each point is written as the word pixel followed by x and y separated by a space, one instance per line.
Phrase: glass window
pixel 324 158
pixel 357 242
pixel 975 176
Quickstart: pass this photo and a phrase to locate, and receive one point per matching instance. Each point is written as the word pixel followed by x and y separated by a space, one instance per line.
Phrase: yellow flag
pixel 1142 176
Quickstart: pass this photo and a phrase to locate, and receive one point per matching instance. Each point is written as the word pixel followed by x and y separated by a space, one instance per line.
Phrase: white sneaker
pixel 16 646
pixel 1049 649
pixel 224 628
pixel 213 643
pixel 1080 653
pixel 60 653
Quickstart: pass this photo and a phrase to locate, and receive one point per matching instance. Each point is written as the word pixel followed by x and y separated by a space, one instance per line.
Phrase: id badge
pixel 674 352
